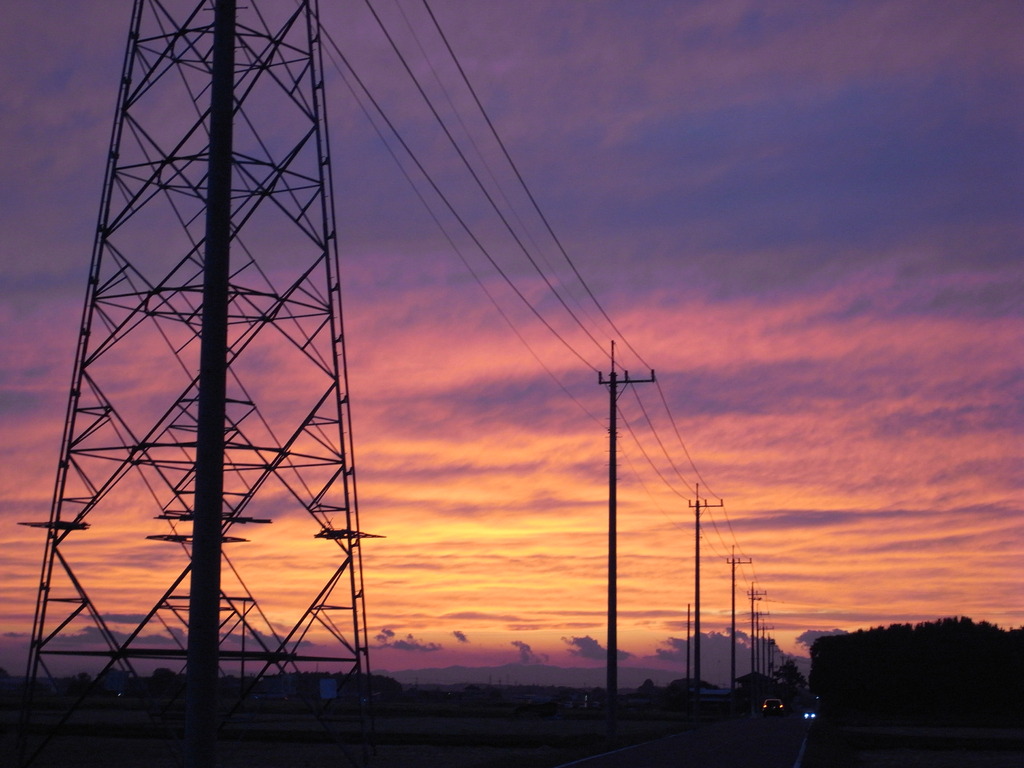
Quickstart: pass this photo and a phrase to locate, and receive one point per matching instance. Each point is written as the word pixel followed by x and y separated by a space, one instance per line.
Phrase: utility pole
pixel 615 384
pixel 689 680
pixel 758 648
pixel 754 595
pixel 733 561
pixel 696 506
pixel 766 641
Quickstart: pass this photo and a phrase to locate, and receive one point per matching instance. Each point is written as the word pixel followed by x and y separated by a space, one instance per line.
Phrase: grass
pixel 828 747
pixel 873 742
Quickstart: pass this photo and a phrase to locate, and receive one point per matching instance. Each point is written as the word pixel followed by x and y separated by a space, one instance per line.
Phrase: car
pixel 773 708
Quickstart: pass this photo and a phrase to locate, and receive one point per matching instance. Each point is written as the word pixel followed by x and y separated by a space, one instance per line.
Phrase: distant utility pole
pixel 697 506
pixel 766 640
pixel 754 595
pixel 760 650
pixel 689 680
pixel 734 561
pixel 614 384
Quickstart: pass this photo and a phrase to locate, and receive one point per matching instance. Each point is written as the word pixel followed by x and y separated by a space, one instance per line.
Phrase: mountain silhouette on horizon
pixel 530 674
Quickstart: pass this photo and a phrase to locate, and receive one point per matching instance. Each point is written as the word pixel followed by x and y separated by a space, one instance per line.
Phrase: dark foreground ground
pixel 493 739
pixel 405 736
pixel 867 744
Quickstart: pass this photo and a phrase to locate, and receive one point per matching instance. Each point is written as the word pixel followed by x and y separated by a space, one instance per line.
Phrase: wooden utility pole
pixel 614 384
pixel 689 680
pixel 697 506
pixel 733 561
pixel 754 594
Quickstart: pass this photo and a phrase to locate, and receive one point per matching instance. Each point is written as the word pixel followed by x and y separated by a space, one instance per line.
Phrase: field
pixel 405 736
pixel 880 745
pixel 438 735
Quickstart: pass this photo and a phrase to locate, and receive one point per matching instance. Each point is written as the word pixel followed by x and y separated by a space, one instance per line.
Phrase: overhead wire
pixel 447 202
pixel 368 96
pixel 682 444
pixel 550 230
pixel 525 186
pixel 661 444
pixel 664 480
pixel 515 169
pixel 476 177
pixel 646 455
pixel 650 493
pixel 682 478
pixel 514 212
pixel 465 261
pixel 497 184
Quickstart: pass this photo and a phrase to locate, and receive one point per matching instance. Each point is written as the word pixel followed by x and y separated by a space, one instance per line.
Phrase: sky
pixel 804 218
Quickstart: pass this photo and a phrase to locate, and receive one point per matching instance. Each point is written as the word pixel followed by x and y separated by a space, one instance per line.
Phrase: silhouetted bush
pixel 952 670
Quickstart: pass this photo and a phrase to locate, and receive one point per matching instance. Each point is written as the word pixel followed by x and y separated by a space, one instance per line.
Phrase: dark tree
pixel 165 682
pixel 952 669
pixel 789 681
pixel 385 688
pixel 79 684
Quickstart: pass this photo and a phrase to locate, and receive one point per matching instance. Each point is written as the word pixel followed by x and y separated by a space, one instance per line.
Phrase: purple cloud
pixel 386 639
pixel 587 647
pixel 526 654
pixel 818 250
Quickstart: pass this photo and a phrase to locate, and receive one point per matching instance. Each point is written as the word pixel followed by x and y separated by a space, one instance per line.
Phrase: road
pixel 749 743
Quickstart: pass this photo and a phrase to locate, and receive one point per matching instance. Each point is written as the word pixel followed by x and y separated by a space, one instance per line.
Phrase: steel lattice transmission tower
pixel 122 538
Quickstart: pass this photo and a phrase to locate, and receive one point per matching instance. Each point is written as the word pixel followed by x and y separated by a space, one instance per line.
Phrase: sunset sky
pixel 806 218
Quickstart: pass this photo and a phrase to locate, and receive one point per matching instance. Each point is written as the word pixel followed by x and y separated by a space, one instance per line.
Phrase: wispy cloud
pixel 386 638
pixel 805 218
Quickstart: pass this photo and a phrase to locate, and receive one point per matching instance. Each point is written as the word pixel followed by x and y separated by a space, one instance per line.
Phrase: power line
pixel 476 178
pixel 526 188
pixel 448 204
pixel 512 231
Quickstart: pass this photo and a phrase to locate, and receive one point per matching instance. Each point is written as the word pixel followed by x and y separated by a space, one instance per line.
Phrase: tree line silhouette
pixel 950 670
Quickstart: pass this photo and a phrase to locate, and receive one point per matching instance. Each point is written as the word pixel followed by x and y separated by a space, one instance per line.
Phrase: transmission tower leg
pixel 204 595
